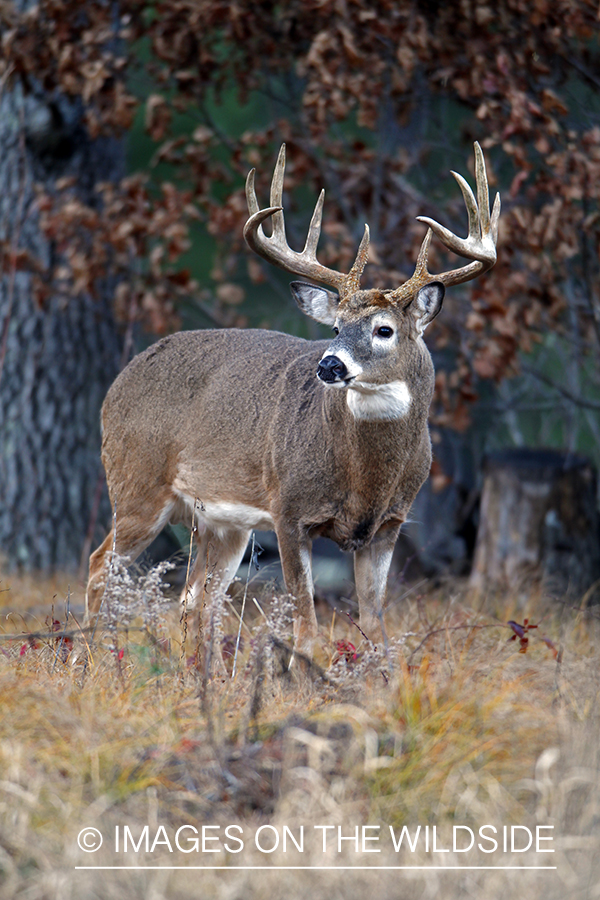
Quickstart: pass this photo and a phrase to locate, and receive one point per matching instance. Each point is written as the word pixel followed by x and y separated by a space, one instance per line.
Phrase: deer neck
pixel 380 429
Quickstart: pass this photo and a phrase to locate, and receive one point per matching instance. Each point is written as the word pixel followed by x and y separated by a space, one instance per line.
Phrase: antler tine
pixel 421 265
pixel 360 262
pixel 276 196
pixel 471 204
pixel 251 198
pixel 314 229
pixel 479 245
pixel 276 249
pixel 483 193
pixel 496 218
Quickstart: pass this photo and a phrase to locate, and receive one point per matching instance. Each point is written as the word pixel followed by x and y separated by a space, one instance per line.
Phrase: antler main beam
pixel 479 245
pixel 275 248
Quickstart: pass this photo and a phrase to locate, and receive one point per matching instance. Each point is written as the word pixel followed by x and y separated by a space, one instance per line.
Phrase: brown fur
pixel 238 422
pixel 239 416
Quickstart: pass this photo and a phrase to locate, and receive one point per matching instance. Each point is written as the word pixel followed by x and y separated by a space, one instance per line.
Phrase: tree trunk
pixel 56 363
pixel 538 524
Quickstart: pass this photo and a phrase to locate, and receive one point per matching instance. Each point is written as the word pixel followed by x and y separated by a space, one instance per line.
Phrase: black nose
pixel 332 369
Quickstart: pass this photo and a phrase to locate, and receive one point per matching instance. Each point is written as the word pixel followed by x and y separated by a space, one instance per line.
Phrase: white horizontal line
pixel 313 868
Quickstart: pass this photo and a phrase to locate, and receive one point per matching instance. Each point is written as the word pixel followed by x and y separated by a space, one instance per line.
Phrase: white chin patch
pixel 378 401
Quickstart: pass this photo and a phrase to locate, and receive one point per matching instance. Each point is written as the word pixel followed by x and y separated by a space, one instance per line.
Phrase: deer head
pixel 374 326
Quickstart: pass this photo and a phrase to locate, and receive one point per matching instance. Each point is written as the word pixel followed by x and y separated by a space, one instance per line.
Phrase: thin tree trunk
pixel 56 363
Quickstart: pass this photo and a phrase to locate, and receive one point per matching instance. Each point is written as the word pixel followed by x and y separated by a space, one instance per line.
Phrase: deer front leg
pixel 295 553
pixel 371 567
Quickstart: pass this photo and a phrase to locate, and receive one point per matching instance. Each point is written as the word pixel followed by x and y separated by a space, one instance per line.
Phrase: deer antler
pixel 480 245
pixel 275 249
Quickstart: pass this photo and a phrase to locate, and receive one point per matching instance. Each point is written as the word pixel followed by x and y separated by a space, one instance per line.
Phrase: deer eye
pixel 336 330
pixel 384 331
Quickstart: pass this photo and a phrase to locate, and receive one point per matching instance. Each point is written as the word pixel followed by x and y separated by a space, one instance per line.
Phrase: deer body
pixel 244 429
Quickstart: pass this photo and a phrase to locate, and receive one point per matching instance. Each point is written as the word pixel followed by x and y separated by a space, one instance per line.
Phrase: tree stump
pixel 538 524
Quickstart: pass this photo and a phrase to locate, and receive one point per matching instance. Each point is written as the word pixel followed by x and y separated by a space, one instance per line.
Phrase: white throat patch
pixel 378 401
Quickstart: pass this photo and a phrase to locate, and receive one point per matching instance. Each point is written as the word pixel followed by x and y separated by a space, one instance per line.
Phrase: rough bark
pixel 55 363
pixel 538 524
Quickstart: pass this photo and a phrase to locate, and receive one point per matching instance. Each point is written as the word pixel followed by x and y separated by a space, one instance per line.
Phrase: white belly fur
pixel 223 515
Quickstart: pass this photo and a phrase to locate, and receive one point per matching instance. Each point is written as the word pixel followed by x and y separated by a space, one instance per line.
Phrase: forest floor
pixel 370 773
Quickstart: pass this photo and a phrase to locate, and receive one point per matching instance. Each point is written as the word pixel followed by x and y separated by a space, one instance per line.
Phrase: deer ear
pixel 427 304
pixel 315 301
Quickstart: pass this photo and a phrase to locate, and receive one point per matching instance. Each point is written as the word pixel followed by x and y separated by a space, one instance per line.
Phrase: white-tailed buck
pixel 249 429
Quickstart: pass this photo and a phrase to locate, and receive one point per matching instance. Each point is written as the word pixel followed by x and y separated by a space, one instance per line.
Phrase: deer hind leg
pixel 295 553
pixel 218 557
pixel 137 527
pixel 371 567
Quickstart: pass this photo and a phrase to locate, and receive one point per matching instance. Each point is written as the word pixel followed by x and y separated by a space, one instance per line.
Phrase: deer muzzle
pixel 332 369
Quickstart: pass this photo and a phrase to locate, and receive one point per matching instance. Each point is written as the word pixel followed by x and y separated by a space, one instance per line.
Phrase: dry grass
pixel 453 727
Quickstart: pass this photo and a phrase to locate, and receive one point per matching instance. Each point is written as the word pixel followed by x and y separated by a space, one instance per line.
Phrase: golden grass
pixel 455 727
